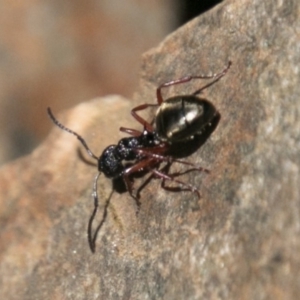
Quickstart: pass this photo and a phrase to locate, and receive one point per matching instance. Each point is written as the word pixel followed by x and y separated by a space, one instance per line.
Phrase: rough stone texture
pixel 239 241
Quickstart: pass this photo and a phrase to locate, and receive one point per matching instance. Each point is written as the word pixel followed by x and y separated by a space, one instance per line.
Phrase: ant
pixel 178 120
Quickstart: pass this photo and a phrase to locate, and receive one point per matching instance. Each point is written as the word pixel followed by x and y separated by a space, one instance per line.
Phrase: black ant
pixel 178 120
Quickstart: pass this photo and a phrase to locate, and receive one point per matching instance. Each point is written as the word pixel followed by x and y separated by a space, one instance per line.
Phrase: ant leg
pixel 141 120
pixel 217 77
pixel 169 159
pixel 166 170
pixel 176 174
pixel 129 186
pixel 130 131
pixel 171 177
pixel 145 164
pixel 146 124
pixel 143 185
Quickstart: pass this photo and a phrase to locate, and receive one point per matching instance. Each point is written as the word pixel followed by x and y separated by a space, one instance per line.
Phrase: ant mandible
pixel 178 119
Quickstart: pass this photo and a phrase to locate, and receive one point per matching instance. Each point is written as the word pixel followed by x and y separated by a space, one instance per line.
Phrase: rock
pixel 240 240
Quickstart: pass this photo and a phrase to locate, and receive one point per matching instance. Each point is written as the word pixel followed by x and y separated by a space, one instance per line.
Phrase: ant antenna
pixel 61 126
pixel 91 237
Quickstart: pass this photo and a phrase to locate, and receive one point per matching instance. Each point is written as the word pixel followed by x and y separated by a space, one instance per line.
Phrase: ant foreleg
pixel 147 163
pixel 129 186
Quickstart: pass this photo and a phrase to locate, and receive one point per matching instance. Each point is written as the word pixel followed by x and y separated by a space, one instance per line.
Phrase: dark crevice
pixel 189 9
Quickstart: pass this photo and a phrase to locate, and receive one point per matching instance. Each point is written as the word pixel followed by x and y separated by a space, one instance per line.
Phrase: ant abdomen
pixel 180 118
